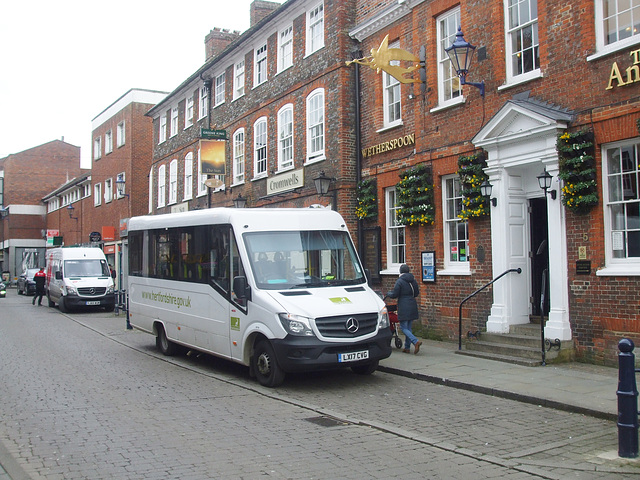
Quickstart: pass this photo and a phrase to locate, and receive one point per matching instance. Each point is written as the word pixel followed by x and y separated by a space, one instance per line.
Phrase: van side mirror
pixel 241 288
pixel 367 275
pixel 58 275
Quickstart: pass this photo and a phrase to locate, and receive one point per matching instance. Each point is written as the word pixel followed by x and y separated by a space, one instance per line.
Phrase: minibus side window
pixel 237 270
pixel 219 257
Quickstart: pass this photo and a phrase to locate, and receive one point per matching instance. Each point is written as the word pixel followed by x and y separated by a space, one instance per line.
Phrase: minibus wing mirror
pixel 241 288
pixel 58 275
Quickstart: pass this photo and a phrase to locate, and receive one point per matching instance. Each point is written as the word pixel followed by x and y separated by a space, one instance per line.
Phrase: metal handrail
pixel 517 270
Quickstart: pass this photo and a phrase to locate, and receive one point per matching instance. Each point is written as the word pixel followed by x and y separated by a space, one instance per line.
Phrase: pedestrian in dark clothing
pixel 39 278
pixel 406 290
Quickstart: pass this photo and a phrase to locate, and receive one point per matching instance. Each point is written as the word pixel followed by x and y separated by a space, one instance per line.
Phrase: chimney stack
pixel 260 9
pixel 217 40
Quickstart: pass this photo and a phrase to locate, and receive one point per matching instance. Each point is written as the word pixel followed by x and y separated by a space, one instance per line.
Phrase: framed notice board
pixel 429 266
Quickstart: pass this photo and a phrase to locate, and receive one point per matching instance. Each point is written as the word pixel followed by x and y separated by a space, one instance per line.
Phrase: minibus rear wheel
pixel 265 365
pixel 166 347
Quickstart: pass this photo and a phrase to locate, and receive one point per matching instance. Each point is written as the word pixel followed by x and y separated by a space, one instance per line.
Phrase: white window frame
pixel 626 266
pixel 260 150
pixel 173 181
pixel 203 105
pixel 391 96
pixel 449 87
pixel 162 186
pixel 238 80
pixel 602 47
pixel 260 67
pixel 513 77
pixel 108 142
pixel 202 177
pixel 285 138
pixel 188 112
pixel 162 130
pixel 315 29
pixel 451 207
pixel 108 190
pixel 97 194
pixel 121 134
pixel 395 233
pixel 219 85
pixel 174 122
pixel 316 126
pixel 238 156
pixel 285 48
pixel 151 190
pixel 188 176
pixel 97 148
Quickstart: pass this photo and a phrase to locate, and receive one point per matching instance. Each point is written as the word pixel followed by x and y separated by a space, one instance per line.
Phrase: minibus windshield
pixel 303 259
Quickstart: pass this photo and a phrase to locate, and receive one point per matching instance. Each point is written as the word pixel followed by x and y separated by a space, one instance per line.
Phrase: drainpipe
pixel 358 54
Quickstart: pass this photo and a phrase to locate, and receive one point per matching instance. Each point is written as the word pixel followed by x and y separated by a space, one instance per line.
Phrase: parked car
pixel 3 289
pixel 26 285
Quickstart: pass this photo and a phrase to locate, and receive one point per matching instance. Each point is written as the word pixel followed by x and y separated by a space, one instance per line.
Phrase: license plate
pixel 353 356
pixel 94 302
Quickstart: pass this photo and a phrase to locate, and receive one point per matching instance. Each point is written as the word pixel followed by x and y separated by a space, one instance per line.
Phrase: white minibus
pixel 278 290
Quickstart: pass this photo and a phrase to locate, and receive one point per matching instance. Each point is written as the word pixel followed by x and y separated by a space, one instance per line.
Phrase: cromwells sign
pixel 285 182
pixel 394 144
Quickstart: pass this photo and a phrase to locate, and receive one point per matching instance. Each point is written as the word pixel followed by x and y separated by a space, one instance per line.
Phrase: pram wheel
pixel 398 342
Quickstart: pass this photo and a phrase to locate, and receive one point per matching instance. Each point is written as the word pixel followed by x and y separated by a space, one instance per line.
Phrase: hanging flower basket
pixel 415 197
pixel 471 173
pixel 367 200
pixel 577 170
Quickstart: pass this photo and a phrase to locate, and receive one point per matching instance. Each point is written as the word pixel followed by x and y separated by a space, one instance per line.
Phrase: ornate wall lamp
pixel 461 53
pixel 544 180
pixel 121 186
pixel 322 183
pixel 239 201
pixel 485 190
pixel 70 210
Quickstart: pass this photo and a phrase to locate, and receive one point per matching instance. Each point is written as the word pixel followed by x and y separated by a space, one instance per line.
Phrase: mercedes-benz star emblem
pixel 352 325
pixel 92 291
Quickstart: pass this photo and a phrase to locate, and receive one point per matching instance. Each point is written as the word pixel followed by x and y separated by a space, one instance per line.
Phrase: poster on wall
pixel 429 266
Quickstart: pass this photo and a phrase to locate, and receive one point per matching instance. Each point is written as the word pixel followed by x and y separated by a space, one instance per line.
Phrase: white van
pixel 279 290
pixel 79 277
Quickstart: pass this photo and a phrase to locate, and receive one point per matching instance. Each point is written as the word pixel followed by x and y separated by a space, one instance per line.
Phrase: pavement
pixel 575 387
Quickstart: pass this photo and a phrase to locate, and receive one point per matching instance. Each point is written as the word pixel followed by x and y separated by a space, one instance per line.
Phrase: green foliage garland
pixel 471 173
pixel 366 199
pixel 577 170
pixel 415 197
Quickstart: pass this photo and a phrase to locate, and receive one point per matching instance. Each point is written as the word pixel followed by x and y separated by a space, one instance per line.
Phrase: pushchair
pixel 394 324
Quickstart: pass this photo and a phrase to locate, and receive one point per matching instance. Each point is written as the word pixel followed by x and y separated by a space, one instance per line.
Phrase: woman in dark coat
pixel 406 290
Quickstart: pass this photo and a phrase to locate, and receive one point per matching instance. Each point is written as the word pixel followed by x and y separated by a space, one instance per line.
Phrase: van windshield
pixel 86 268
pixel 281 260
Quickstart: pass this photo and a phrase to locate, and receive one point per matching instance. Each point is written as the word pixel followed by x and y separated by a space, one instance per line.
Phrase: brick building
pixel 90 208
pixel 561 96
pixel 281 96
pixel 26 177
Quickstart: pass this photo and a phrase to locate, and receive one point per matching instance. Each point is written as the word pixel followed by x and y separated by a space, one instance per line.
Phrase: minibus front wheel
pixel 265 365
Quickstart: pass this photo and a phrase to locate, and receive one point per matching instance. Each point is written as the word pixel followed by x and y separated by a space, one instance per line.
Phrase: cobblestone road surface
pixel 83 398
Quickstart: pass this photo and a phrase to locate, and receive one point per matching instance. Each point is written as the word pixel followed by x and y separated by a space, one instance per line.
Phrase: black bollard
pixel 627 401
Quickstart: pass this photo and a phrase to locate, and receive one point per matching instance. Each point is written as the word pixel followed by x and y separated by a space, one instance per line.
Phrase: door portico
pixel 520 141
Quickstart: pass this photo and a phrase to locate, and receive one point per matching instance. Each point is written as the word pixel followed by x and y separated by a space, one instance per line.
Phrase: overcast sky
pixel 63 62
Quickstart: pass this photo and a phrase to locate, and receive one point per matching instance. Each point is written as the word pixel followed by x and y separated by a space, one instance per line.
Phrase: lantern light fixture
pixel 461 53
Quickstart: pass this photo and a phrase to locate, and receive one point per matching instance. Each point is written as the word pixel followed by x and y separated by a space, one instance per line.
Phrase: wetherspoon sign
pixel 626 77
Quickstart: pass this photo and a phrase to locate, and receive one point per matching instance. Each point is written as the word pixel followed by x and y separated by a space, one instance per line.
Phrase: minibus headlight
pixel 71 290
pixel 109 289
pixel 383 318
pixel 296 325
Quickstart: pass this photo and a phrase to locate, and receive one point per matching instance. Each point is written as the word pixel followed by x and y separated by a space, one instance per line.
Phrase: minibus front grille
pixel 340 326
pixel 91 291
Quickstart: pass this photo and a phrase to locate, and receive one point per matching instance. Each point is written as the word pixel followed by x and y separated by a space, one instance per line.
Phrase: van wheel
pixel 265 365
pixel 166 346
pixel 51 302
pixel 365 369
pixel 62 306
